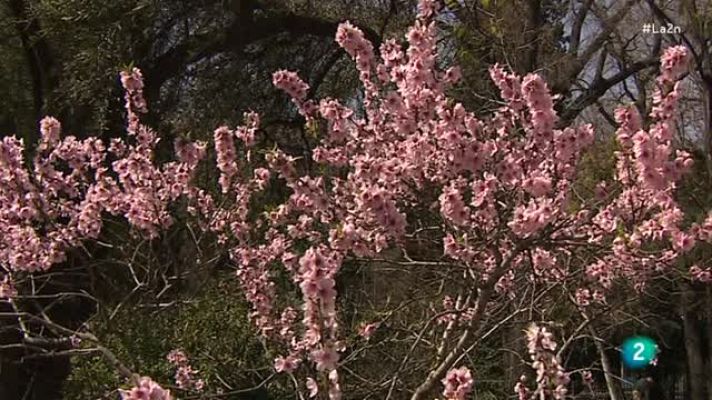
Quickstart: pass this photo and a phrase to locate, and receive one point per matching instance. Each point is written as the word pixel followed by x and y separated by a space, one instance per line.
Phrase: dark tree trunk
pixel 41 378
pixel 612 384
pixel 38 55
pixel 693 346
pixel 513 337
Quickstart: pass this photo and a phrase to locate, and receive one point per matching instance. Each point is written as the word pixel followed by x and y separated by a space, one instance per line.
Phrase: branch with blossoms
pixel 551 379
pixel 58 203
pixel 59 200
pixel 185 375
pixel 505 183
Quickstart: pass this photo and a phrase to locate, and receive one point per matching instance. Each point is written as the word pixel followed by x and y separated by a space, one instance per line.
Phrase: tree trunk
pixel 37 52
pixel 707 84
pixel 693 346
pixel 513 339
pixel 614 388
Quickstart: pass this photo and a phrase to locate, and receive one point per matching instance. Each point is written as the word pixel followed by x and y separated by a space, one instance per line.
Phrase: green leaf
pixel 620 230
pixel 312 128
pixel 453 5
pixel 494 30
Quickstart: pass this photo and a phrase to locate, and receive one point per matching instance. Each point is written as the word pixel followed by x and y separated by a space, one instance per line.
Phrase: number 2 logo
pixel 639 349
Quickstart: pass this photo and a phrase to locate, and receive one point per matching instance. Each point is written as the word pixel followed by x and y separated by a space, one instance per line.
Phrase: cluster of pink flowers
pixel 453 207
pixel 458 383
pixel 530 218
pixel 189 153
pixel 325 358
pixel 509 85
pixel 258 288
pixel 317 278
pixel 50 131
pixel 317 270
pixel 585 297
pixel 649 152
pixel 673 64
pixel 132 81
pixel 384 209
pixel 247 132
pixel 541 106
pixel 551 379
pixel 703 275
pixel 225 156
pixel 60 200
pixel 352 40
pixel 546 266
pixel 146 389
pixel 185 375
pixel 286 364
pixel 291 84
pixel 297 89
pixel 521 389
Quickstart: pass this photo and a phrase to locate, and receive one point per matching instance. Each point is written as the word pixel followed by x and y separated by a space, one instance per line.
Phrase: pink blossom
pixel 551 377
pixel 185 376
pixel 630 122
pixel 367 330
pixel 453 207
pixel 537 184
pixel 509 86
pixel 312 387
pixel 682 241
pixel 286 364
pixel 458 383
pixel 75 341
pixel 673 63
pixel 132 82
pixel 247 132
pixel 146 389
pixel 51 130
pixel 541 107
pixel 177 357
pixel 700 274
pixel 189 153
pixel 583 297
pixel 290 83
pixel 334 386
pixel 587 377
pixel 226 156
pixel 523 393
pixel 325 358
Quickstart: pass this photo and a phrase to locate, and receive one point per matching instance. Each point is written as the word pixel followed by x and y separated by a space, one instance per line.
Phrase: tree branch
pixel 244 31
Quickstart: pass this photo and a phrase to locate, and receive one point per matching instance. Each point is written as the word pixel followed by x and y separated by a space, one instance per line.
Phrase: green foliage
pixel 597 164
pixel 15 101
pixel 92 41
pixel 212 328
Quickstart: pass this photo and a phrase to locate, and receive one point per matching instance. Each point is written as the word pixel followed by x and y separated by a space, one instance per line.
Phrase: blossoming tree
pixel 495 193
